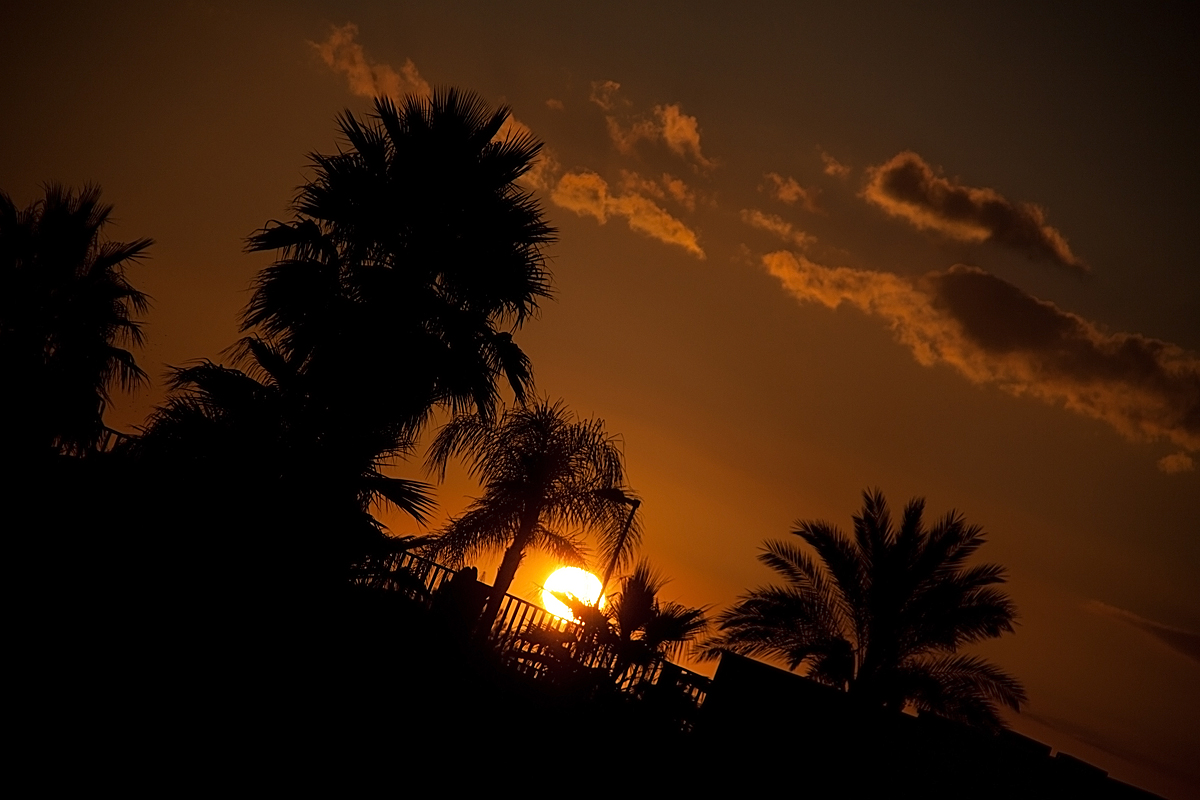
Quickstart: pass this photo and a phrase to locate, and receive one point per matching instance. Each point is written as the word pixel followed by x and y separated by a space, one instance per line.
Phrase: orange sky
pixel 802 252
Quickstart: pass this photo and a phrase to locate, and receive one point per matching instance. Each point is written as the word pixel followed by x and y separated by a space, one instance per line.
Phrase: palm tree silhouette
pixel 883 614
pixel 66 309
pixel 647 627
pixel 546 476
pixel 411 258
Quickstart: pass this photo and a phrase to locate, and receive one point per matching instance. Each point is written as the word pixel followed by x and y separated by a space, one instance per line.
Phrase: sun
pixel 573 581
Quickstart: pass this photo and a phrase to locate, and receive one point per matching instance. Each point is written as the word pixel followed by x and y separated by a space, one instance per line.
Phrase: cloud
pixel 1176 463
pixel 994 333
pixel 680 132
pixel 366 78
pixel 669 187
pixel 604 94
pixel 789 191
pixel 679 191
pixel 586 193
pixel 778 226
pixel 908 188
pixel 555 105
pixel 1178 639
pixel 833 167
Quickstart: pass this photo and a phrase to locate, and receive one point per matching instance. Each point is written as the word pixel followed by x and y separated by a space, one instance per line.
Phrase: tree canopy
pixel 67 316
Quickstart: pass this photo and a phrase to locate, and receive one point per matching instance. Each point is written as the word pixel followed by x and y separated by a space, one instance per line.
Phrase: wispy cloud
pixel 366 78
pixel 681 132
pixel 606 94
pixel 586 193
pixel 668 124
pixel 1176 463
pixel 833 167
pixel 772 223
pixel 667 187
pixel 1178 639
pixel 909 188
pixel 789 191
pixel 994 333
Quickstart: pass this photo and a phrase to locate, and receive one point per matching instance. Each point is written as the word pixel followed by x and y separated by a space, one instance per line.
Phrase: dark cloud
pixel 907 187
pixel 993 332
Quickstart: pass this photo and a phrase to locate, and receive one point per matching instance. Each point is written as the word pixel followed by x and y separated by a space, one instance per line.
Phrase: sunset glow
pixel 578 583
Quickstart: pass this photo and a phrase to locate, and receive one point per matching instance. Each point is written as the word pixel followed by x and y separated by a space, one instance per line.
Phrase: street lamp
pixel 618 496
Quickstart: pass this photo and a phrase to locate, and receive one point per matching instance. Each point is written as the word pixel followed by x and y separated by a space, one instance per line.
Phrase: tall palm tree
pixel 546 476
pixel 67 313
pixel 882 615
pixel 411 258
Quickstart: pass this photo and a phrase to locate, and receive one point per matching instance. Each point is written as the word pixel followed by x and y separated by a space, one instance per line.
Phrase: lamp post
pixel 633 507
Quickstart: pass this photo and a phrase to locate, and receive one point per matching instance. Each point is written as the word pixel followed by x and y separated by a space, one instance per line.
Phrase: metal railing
pixel 532 640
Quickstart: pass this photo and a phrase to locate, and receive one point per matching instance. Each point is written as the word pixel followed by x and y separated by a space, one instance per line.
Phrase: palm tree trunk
pixel 504 576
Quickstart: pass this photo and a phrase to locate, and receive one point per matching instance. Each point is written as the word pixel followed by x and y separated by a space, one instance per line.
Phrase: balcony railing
pixel 532 640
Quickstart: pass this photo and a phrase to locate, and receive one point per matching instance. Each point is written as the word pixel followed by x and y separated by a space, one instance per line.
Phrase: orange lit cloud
pixel 1178 639
pixel 778 226
pixel 668 187
pixel 909 188
pixel 789 191
pixel 679 191
pixel 343 54
pixel 680 132
pixel 994 333
pixel 556 105
pixel 586 193
pixel 833 167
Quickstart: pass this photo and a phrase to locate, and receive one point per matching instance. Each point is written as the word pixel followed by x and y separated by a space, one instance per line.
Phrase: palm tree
pixel 66 309
pixel 546 476
pixel 411 258
pixel 883 615
pixel 646 628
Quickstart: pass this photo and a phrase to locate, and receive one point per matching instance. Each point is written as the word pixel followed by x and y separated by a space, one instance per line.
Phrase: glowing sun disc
pixel 573 581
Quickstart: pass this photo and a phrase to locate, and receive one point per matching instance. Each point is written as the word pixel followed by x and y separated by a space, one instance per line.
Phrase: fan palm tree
pixel 546 476
pixel 66 313
pixel 883 615
pixel 411 258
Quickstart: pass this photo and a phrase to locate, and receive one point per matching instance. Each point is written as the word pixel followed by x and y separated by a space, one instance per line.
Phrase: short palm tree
pixel 635 625
pixel 882 615
pixel 646 627
pixel 67 313
pixel 546 478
